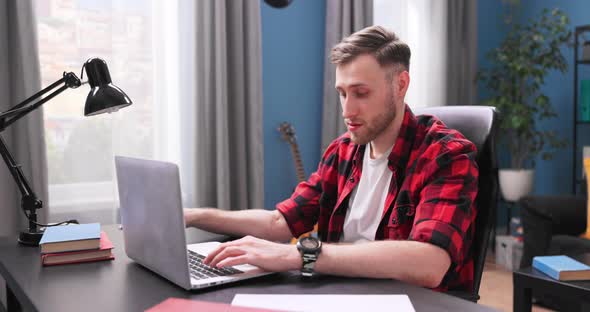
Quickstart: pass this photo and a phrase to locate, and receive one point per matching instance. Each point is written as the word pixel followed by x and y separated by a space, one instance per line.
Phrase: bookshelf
pixel 577 181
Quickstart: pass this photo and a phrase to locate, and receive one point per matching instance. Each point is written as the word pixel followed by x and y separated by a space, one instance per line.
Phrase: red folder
pixel 177 304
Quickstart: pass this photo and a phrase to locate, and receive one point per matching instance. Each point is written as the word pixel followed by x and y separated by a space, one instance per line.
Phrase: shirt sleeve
pixel 301 210
pixel 446 211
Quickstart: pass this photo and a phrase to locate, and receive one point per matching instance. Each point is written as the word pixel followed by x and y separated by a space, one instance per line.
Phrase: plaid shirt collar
pixel 399 156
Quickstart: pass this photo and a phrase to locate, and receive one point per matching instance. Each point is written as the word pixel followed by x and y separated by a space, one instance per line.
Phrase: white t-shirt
pixel 367 200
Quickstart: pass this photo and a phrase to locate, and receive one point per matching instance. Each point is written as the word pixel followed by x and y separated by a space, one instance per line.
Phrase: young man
pixel 393 197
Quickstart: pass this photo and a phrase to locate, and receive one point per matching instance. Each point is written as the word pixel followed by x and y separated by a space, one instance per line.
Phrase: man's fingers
pixel 231 251
pixel 217 250
pixel 231 261
pixel 244 241
pixel 213 253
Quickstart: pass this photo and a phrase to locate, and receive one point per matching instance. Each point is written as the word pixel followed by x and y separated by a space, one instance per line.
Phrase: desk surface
pixel 123 285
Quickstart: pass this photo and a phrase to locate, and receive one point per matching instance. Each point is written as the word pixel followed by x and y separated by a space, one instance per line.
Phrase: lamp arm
pixel 20 110
pixel 38 94
pixel 20 113
pixel 70 80
pixel 29 200
pixel 15 171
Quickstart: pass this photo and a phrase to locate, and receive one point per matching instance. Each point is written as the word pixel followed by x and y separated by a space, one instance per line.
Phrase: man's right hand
pixel 269 256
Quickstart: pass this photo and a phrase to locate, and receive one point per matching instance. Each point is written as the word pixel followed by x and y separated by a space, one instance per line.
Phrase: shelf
pixel 579 59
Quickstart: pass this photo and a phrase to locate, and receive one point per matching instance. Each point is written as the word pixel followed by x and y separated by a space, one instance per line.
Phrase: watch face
pixel 309 243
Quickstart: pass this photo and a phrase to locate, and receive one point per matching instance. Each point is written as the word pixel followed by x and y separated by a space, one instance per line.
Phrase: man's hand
pixel 261 253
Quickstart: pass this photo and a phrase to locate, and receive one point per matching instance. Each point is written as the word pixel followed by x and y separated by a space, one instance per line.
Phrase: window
pixel 422 25
pixel 80 149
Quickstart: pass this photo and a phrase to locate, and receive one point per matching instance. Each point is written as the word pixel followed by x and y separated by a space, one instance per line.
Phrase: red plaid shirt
pixel 430 198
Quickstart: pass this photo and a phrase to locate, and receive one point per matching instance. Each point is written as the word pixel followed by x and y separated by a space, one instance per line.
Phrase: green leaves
pixel 519 67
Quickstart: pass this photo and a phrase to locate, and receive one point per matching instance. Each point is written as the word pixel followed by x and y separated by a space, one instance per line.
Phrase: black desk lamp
pixel 104 97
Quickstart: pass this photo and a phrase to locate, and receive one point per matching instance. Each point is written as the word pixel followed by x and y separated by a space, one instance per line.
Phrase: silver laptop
pixel 154 229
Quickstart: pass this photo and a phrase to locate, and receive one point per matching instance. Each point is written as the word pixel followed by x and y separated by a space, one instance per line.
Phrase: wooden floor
pixel 496 288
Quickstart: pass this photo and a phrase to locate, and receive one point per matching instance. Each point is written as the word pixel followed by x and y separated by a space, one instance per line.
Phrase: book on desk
pixel 562 268
pixel 75 244
pixel 70 238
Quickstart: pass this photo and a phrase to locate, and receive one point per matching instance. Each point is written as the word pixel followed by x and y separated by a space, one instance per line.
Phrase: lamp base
pixel 30 238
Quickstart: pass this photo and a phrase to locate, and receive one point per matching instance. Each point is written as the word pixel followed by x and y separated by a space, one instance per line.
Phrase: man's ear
pixel 403 82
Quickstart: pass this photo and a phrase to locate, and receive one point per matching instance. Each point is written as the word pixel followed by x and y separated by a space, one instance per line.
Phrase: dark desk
pixel 528 280
pixel 122 285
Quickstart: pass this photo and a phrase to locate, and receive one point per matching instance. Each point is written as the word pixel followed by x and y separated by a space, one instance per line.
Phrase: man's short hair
pixel 377 41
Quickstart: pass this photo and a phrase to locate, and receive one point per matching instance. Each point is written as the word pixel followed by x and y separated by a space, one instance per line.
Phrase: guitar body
pixel 288 134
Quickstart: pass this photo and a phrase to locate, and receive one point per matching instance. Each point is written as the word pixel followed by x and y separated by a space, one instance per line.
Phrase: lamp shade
pixel 104 96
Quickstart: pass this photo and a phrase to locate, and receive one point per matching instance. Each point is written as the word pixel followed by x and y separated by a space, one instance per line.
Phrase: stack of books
pixel 74 244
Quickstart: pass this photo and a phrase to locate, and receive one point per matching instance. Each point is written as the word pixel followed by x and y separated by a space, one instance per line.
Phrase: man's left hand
pixel 267 255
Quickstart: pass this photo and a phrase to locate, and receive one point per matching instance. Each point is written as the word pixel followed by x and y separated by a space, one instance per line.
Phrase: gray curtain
pixel 343 17
pixel 462 52
pixel 19 79
pixel 229 162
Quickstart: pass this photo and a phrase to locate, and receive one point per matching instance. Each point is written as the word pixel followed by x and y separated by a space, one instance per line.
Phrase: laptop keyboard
pixel 199 270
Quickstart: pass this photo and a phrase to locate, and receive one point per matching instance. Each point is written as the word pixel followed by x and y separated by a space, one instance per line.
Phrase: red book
pixel 102 253
pixel 177 304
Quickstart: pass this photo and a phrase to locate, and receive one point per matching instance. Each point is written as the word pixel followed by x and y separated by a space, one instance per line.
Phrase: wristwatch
pixel 309 248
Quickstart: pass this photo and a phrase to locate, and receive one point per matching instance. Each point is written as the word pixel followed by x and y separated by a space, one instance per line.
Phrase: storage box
pixel 508 252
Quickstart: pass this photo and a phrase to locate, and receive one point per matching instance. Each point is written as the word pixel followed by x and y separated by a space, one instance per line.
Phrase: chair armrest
pixel 545 216
pixel 566 213
pixel 549 205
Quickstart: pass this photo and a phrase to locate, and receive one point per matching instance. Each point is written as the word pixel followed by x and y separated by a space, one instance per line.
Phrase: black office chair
pixel 478 124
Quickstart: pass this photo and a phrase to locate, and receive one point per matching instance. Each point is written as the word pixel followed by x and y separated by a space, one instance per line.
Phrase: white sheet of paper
pixel 323 303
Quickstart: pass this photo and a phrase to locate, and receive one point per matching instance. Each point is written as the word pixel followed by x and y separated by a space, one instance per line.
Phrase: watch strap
pixel 309 260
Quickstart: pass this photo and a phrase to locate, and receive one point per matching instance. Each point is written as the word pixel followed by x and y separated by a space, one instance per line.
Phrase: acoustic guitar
pixel 288 134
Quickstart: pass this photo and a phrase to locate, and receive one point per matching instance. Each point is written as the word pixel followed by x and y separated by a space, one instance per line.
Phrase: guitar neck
pixel 288 134
pixel 298 163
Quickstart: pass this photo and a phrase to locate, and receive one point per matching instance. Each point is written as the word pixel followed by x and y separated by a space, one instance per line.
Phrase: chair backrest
pixel 478 124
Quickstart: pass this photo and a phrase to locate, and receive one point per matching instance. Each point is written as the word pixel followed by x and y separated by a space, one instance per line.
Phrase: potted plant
pixel 517 72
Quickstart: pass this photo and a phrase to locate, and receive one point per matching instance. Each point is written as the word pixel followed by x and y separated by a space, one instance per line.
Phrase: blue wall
pixel 292 77
pixel 553 176
pixel 490 33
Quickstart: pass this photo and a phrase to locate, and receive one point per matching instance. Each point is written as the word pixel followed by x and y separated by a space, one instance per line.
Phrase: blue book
pixel 562 268
pixel 70 238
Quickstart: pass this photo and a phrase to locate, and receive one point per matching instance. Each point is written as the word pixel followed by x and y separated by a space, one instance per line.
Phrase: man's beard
pixel 373 128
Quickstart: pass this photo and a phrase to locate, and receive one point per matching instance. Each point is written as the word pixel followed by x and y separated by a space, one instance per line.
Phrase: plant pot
pixel 516 183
